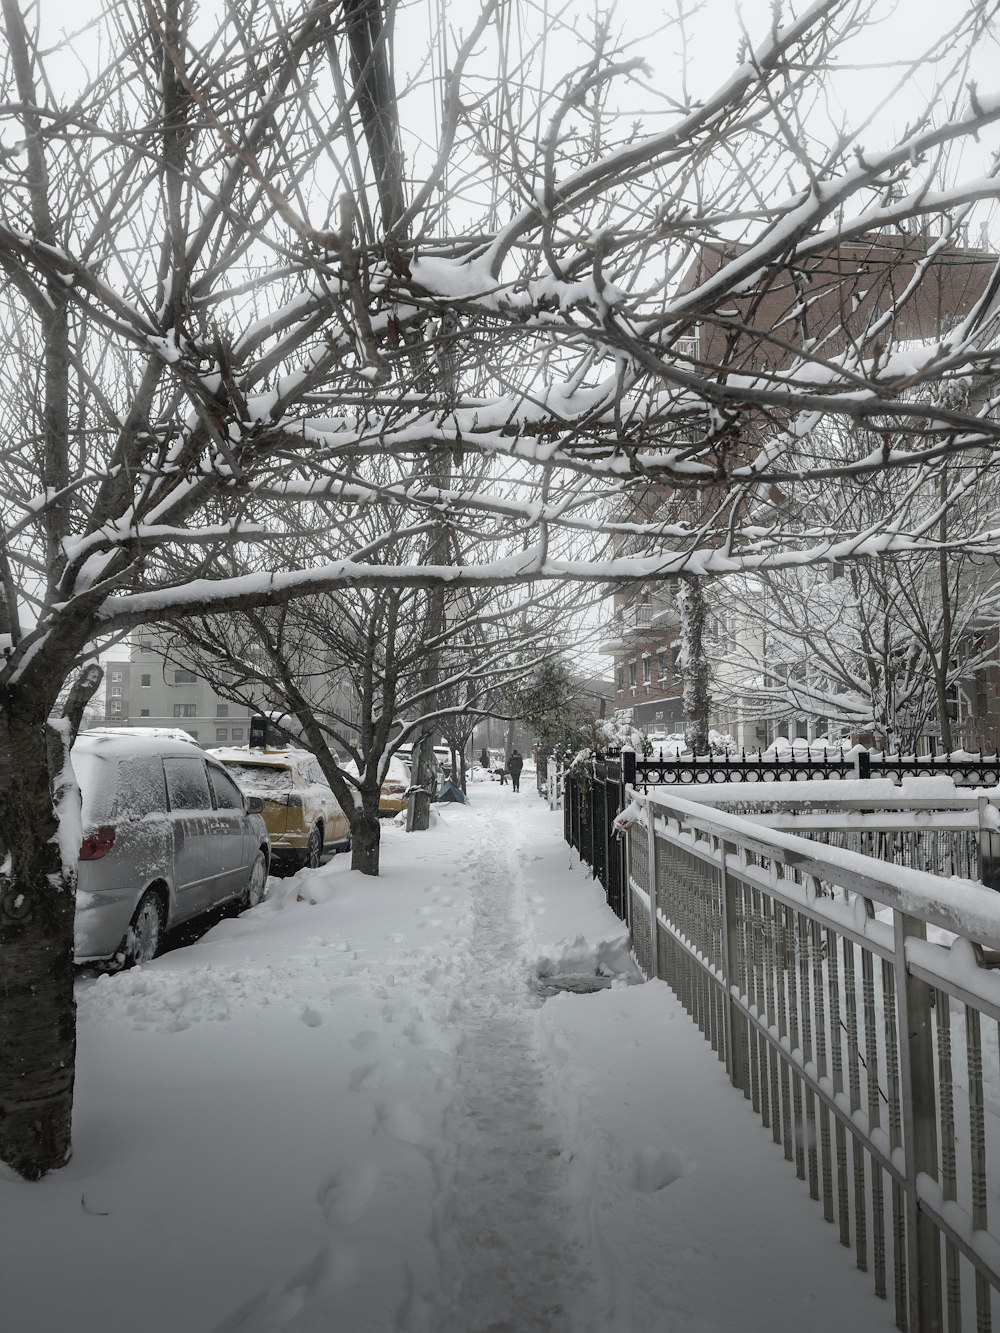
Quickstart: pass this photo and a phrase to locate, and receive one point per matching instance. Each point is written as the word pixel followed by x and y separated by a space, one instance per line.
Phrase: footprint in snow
pixel 274 1309
pixel 361 1075
pixel 345 1194
pixel 654 1169
pixel 402 1122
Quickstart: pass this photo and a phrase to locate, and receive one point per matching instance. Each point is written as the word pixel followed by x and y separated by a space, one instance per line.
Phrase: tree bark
pixel 37 905
pixel 697 699
pixel 366 834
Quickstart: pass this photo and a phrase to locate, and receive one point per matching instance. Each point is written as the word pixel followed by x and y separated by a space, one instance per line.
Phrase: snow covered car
pixel 395 785
pixel 303 817
pixel 167 835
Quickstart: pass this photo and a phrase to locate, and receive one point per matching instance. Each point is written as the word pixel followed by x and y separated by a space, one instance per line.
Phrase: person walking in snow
pixel 514 765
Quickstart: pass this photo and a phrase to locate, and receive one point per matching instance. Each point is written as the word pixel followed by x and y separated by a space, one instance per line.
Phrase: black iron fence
pixel 594 793
pixel 592 796
pixel 965 769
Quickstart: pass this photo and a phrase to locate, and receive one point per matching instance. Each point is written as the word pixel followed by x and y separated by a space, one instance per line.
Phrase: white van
pixel 167 835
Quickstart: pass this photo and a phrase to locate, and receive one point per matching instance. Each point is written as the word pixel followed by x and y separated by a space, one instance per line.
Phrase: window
pixel 621 678
pixel 221 710
pixel 116 675
pixel 645 670
pixel 140 788
pixel 661 663
pixel 145 680
pixel 185 710
pixel 145 645
pixel 184 677
pixel 631 675
pixel 237 733
pixel 227 794
pixel 116 691
pixel 221 734
pixel 144 712
pixel 116 705
pixel 187 783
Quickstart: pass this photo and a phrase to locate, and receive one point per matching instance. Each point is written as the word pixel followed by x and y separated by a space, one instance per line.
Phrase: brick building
pixel 827 302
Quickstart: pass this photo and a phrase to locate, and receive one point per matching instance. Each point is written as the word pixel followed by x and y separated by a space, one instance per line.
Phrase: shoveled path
pixel 516 1261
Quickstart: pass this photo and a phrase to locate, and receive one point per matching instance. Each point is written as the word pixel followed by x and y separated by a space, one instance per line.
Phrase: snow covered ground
pixel 351 1110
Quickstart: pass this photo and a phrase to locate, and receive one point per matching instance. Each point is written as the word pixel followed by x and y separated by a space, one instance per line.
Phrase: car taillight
pixel 97 844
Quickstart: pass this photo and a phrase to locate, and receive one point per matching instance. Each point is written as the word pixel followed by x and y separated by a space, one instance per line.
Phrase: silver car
pixel 167 835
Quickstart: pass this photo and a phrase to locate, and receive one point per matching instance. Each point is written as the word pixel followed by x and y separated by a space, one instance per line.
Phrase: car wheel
pixel 314 849
pixel 145 932
pixel 256 885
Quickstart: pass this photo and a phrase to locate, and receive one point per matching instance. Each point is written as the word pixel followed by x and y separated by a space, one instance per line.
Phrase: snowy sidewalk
pixel 349 1110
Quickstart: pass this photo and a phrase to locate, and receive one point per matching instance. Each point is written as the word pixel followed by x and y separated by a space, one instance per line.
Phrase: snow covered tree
pixel 878 646
pixel 245 248
pixel 347 670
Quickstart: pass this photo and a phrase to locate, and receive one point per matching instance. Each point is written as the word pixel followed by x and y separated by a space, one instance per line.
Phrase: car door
pixel 191 817
pixel 337 826
pixel 231 827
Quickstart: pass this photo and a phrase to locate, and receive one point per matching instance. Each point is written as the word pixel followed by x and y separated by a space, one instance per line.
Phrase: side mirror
pixel 255 805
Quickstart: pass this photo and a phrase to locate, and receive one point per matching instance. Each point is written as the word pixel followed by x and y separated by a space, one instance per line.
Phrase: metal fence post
pixel 627 780
pixel 654 933
pixel 920 1147
pixel 609 809
pixel 734 1033
pixel 591 785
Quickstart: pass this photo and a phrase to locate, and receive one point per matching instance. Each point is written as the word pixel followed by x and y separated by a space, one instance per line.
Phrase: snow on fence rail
pixel 854 1005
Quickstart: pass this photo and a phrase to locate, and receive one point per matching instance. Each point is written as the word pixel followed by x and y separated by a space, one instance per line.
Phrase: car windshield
pixel 262 779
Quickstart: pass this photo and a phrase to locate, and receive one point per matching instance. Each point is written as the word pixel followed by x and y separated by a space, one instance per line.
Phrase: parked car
pixel 395 785
pixel 167 835
pixel 303 817
pixel 441 752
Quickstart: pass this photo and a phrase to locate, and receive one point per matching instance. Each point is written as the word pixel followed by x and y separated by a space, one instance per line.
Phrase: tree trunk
pixel 943 657
pixel 697 696
pixel 366 834
pixel 37 905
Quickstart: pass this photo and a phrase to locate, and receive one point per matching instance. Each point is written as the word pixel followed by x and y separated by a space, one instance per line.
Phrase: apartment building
pixel 145 690
pixel 642 637
pixel 828 301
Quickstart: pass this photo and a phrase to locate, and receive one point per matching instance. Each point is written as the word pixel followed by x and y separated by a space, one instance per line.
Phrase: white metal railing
pixel 554 783
pixel 854 1005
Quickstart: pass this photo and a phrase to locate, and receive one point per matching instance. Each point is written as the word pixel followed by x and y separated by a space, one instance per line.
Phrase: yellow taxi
pixel 395 785
pixel 303 817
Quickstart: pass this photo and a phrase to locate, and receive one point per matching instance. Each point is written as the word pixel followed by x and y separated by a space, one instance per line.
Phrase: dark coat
pixel 514 765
